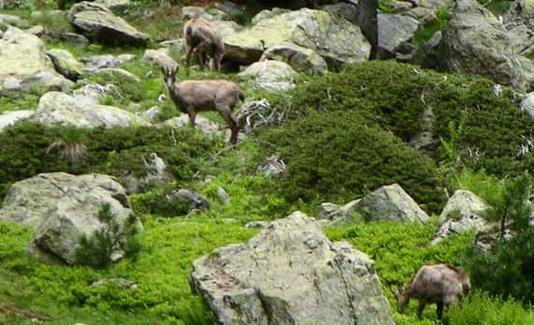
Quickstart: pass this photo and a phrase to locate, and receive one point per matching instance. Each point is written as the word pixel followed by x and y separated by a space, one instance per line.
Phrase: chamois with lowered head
pixel 203 39
pixel 193 96
pixel 441 284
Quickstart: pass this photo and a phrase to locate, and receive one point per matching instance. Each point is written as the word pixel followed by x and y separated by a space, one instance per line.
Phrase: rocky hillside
pixel 348 174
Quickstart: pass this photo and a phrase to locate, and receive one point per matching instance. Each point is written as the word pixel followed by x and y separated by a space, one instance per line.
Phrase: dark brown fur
pixel 193 96
pixel 441 284
pixel 203 39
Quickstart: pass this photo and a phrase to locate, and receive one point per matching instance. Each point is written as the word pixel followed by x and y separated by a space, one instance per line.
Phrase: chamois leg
pixel 192 116
pixel 439 310
pixel 420 308
pixel 226 113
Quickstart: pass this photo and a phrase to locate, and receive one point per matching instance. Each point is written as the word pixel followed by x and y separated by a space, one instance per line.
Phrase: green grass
pixel 19 102
pixel 424 33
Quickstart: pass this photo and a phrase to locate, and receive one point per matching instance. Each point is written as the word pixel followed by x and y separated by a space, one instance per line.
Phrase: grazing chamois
pixel 193 96
pixel 441 284
pixel 203 39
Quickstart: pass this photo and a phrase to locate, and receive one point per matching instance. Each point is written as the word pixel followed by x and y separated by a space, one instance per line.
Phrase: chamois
pixel 193 96
pixel 203 39
pixel 441 284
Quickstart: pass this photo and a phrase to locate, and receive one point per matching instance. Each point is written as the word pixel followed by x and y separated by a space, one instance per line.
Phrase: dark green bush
pixel 109 151
pixel 395 96
pixel 341 156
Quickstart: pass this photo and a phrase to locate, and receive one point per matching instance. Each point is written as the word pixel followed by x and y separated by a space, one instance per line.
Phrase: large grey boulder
pixel 57 108
pixel 97 22
pixel 462 213
pixel 53 192
pixel 299 58
pixel 269 75
pixel 336 40
pixel 7 21
pixel 65 63
pixel 24 65
pixel 394 34
pixel 10 118
pixel 63 209
pixel 291 273
pixel 390 203
pixel 475 42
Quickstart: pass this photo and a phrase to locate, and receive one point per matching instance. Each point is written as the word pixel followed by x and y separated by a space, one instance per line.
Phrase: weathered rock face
pixel 394 32
pixel 336 40
pixel 299 58
pixel 462 213
pixel 97 22
pixel 475 42
pixel 203 124
pixel 390 203
pixel 7 21
pixel 527 104
pixel 65 63
pixel 62 209
pixel 24 65
pixel 269 75
pixel 156 173
pixel 56 192
pixel 10 118
pixel 115 5
pixel 463 204
pixel 159 57
pixel 57 108
pixel 291 274
pixel 345 11
pixel 195 201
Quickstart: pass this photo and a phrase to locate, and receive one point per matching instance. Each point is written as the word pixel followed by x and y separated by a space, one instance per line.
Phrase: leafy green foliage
pixel 109 151
pixel 97 250
pixel 424 33
pixel 396 95
pixel 481 309
pixel 341 155
pixel 161 272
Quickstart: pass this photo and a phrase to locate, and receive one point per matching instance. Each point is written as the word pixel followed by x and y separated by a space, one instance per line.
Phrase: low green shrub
pixel 481 309
pixel 25 151
pixel 341 156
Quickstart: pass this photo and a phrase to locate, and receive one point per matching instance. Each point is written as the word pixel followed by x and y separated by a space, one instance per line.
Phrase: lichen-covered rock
pixel 7 21
pixel 203 124
pixel 268 13
pixel 299 58
pixel 62 209
pixel 65 63
pixel 195 201
pixel 390 203
pixel 24 65
pixel 155 173
pixel 527 104
pixel 57 108
pixel 475 42
pixel 344 10
pixel 97 62
pixel 115 5
pixel 393 32
pixel 269 75
pixel 97 22
pixel 58 193
pixel 10 118
pixel 160 58
pixel 336 40
pixel 462 213
pixel 291 273
pixel 463 204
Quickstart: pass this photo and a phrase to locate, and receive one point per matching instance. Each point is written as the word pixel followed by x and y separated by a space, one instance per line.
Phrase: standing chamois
pixel 441 284
pixel 203 39
pixel 193 96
